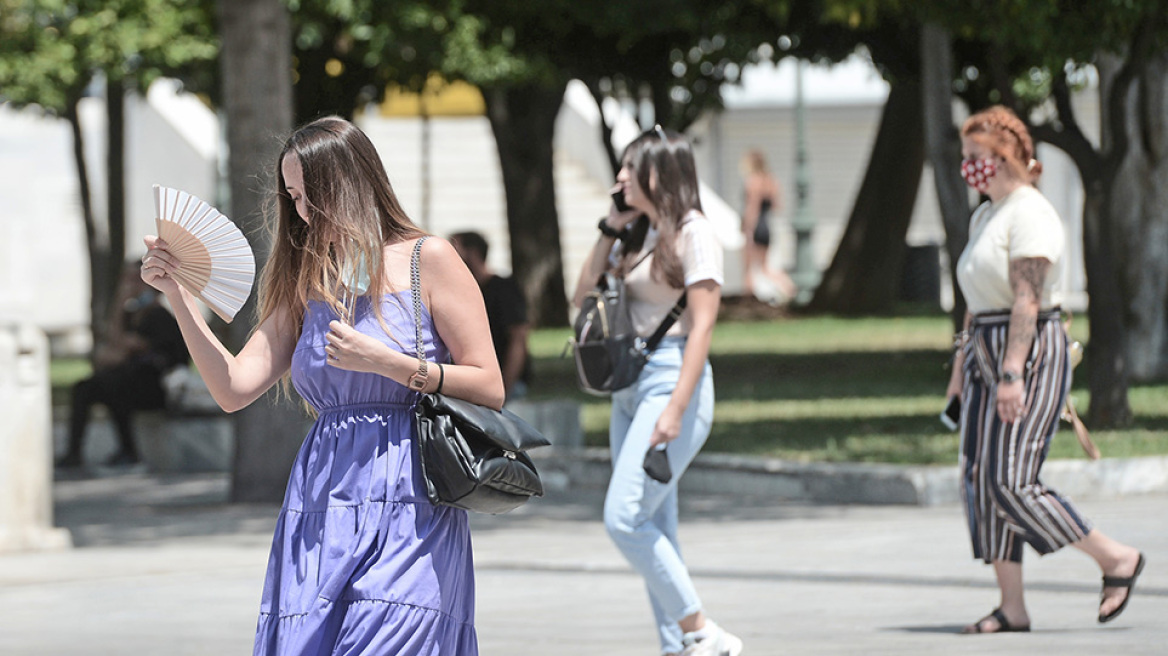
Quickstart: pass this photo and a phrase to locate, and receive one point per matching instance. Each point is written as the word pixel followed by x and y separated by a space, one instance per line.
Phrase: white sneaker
pixel 719 642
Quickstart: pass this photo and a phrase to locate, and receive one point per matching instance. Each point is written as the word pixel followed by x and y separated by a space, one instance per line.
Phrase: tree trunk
pixel 256 66
pixel 865 272
pixel 943 144
pixel 1139 212
pixel 523 120
pixel 1108 374
pixel 115 106
pixel 100 295
pixel 605 129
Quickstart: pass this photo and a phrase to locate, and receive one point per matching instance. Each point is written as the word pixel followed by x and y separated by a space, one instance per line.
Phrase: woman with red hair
pixel 1013 373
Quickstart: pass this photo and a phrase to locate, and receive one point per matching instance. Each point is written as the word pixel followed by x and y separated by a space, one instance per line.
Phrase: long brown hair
pixel 353 214
pixel 999 129
pixel 675 195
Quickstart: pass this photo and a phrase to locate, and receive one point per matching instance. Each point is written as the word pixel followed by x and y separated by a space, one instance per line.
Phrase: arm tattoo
pixel 1027 277
pixel 1023 328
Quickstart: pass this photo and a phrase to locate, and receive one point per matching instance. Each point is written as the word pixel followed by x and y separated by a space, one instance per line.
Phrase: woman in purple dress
pixel 361 562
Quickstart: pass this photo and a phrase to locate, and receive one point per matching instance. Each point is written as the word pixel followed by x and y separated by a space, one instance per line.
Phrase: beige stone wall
pixel 26 465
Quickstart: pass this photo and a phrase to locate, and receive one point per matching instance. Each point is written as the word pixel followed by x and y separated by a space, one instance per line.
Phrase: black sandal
pixel 1004 625
pixel 1128 582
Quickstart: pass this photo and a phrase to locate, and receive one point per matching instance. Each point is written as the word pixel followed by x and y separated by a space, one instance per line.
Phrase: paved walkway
pixel 164 566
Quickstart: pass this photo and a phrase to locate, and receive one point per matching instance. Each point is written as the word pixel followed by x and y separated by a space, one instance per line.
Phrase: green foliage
pixel 1016 51
pixel 834 389
pixel 350 51
pixel 51 49
pixel 470 55
pixel 675 53
pixel 678 54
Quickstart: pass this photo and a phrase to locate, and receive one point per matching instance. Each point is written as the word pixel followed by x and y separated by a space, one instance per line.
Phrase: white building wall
pixel 466 181
pixel 838 141
pixel 44 277
pixel 172 139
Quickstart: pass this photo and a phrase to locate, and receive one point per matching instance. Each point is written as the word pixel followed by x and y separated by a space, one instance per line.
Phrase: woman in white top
pixel 1013 374
pixel 670 250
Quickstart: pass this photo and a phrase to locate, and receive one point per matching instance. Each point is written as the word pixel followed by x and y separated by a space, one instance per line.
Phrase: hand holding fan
pixel 218 266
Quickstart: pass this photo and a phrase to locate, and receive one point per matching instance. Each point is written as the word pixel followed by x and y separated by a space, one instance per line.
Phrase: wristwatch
pixel 419 378
pixel 1009 377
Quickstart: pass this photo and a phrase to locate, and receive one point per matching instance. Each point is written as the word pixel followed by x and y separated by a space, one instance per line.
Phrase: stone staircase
pixel 466 185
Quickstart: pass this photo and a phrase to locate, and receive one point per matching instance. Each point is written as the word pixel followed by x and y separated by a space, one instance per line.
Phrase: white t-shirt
pixel 701 259
pixel 1023 224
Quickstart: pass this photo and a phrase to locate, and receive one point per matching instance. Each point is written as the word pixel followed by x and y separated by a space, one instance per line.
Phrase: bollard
pixel 558 420
pixel 26 447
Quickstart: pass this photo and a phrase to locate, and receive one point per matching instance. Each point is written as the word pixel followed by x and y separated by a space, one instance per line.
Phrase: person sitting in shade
pixel 143 345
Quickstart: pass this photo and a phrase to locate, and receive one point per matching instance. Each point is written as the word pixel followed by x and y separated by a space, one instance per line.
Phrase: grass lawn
pixel 832 389
pixel 823 389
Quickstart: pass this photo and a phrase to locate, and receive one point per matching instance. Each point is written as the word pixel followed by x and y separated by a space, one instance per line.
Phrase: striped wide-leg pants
pixel 1006 504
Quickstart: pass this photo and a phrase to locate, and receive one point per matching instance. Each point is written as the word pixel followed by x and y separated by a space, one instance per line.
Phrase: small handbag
pixel 609 353
pixel 473 457
pixel 1069 413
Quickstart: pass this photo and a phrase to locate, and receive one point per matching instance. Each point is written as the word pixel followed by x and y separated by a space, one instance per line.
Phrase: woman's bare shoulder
pixel 437 256
pixel 437 253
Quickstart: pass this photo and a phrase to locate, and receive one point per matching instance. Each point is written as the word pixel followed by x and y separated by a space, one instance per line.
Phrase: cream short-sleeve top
pixel 1023 224
pixel 701 259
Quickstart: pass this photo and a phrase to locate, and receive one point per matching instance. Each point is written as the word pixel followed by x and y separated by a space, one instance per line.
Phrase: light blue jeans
pixel 641 513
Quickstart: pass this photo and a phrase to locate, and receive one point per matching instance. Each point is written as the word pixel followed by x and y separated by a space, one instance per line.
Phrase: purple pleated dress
pixel 362 562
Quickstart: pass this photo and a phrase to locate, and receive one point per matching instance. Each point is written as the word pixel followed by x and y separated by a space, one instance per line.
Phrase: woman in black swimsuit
pixel 762 193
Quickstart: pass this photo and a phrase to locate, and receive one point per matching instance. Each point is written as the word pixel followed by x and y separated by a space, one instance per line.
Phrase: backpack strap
pixel 638 262
pixel 669 320
pixel 666 324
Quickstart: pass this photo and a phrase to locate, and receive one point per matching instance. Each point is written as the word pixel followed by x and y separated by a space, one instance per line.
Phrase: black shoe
pixel 122 459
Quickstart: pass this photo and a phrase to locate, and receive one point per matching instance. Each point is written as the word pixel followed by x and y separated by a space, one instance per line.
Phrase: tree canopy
pixel 50 50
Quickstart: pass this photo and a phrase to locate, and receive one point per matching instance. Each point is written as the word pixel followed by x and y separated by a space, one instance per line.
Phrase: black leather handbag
pixel 473 457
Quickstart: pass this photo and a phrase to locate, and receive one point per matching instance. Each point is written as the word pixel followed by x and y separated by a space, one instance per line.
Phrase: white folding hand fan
pixel 217 263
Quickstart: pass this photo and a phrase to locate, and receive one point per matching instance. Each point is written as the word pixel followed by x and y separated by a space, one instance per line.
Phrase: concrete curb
pixel 854 483
pixel 566 466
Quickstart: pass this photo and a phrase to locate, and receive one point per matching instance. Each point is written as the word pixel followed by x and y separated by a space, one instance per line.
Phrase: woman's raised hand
pixel 350 349
pixel 158 265
pixel 620 219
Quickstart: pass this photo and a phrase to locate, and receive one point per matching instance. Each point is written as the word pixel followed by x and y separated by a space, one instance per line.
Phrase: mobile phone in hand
pixel 951 417
pixel 656 464
pixel 618 199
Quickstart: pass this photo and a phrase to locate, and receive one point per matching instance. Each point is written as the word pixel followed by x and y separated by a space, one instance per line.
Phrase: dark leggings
pixel 123 389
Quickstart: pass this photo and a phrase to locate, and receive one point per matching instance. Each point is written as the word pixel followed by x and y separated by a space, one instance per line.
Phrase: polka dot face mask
pixel 978 172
